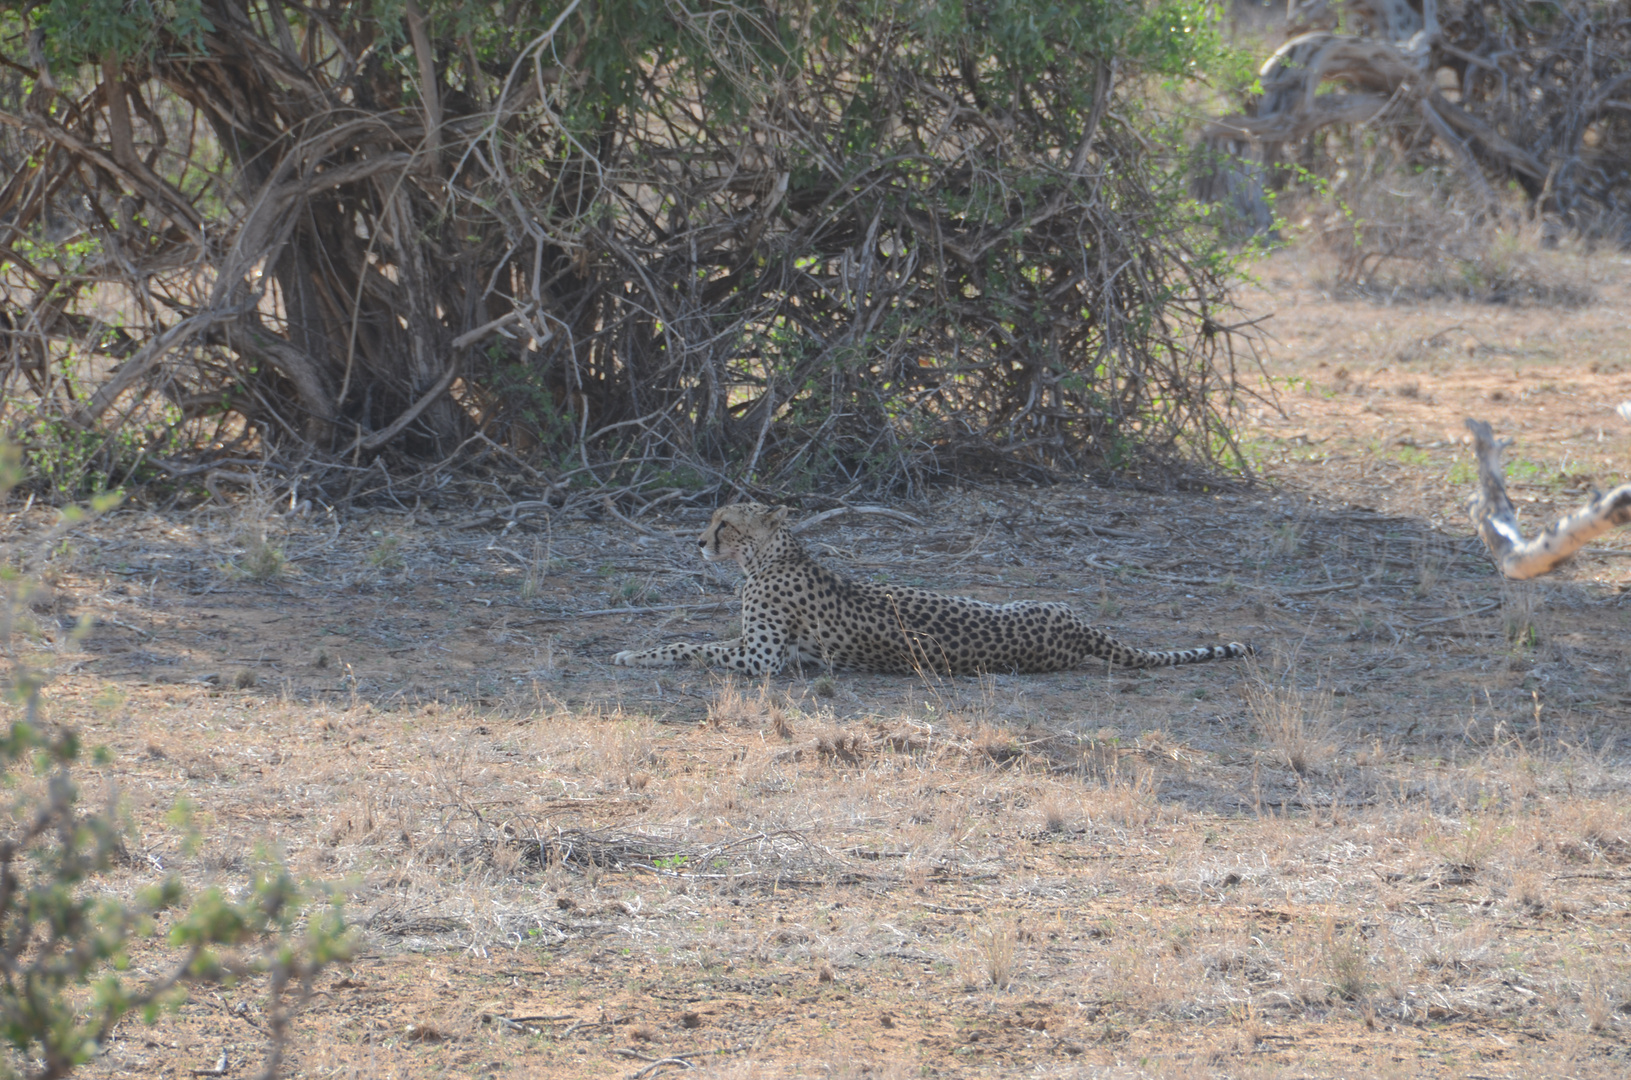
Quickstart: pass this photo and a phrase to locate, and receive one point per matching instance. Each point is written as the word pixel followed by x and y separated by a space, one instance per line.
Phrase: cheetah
pixel 795 609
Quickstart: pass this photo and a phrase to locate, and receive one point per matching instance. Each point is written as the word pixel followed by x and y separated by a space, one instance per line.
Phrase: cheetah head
pixel 741 532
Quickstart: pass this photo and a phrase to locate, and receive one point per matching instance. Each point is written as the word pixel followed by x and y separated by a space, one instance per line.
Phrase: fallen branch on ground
pixel 1496 520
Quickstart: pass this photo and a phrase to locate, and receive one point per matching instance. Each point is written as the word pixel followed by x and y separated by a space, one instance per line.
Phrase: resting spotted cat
pixel 793 608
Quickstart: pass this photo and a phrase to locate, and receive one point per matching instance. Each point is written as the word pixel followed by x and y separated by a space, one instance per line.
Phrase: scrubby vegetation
pixel 1481 96
pixel 850 244
pixel 65 939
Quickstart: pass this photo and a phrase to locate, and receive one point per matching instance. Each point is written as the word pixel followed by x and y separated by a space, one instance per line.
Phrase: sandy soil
pixel 1397 845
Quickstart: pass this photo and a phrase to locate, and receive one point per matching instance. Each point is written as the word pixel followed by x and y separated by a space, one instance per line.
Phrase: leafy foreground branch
pixel 845 244
pixel 64 943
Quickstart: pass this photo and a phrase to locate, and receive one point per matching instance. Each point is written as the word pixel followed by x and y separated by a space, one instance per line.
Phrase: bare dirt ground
pixel 1397 845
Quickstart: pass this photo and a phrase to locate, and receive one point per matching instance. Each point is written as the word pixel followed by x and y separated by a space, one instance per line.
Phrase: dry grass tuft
pixel 262 559
pixel 998 746
pixel 1603 1000
pixel 1285 538
pixel 1126 798
pixel 1528 888
pixel 1432 563
pixel 1054 816
pixel 836 744
pixel 532 582
pixel 990 960
pixel 1345 956
pixel 1294 723
pixel 1466 847
pixel 731 707
pixel 1519 606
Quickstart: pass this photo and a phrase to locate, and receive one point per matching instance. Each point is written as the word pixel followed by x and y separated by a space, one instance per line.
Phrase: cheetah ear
pixel 778 515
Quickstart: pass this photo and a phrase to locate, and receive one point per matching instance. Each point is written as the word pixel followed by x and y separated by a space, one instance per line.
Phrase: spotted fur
pixel 793 608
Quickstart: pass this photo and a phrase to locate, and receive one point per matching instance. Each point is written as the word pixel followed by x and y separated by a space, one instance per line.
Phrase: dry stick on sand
pixel 882 511
pixel 1496 520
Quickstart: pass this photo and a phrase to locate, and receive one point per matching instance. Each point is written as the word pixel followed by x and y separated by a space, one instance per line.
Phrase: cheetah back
pixel 889 628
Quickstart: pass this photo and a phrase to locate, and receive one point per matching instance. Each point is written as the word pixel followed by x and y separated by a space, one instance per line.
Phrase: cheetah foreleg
pixel 733 654
pixel 663 656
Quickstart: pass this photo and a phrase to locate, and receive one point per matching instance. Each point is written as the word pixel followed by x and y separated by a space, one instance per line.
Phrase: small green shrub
pixel 387 553
pixel 263 561
pixel 65 462
pixel 64 941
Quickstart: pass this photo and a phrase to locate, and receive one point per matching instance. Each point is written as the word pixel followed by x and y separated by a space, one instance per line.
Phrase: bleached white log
pixel 1496 520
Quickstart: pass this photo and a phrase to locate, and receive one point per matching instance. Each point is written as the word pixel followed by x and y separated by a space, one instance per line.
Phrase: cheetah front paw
pixel 646 658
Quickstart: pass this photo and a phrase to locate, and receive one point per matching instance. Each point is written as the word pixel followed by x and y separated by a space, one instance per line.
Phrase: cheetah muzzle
pixel 793 608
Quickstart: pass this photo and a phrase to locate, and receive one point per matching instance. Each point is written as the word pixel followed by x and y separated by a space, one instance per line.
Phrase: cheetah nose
pixel 702 544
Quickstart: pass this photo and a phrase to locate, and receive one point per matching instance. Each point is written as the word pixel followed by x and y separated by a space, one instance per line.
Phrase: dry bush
pixel 649 249
pixel 1397 232
pixel 1516 93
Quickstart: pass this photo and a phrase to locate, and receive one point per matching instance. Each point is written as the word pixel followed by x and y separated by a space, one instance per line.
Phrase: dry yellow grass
pixel 506 865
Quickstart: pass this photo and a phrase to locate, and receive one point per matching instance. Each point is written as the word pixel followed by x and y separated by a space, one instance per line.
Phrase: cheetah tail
pixel 1206 654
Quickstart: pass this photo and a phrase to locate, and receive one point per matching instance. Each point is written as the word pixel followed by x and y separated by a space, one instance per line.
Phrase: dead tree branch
pixel 1496 519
